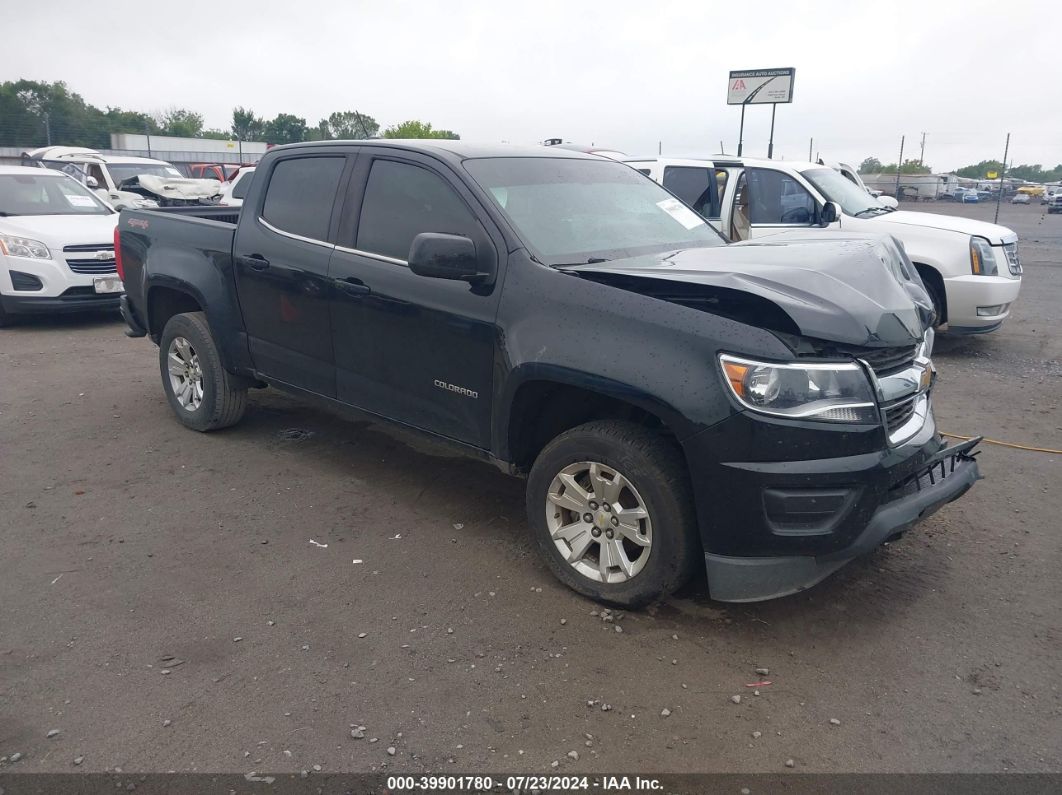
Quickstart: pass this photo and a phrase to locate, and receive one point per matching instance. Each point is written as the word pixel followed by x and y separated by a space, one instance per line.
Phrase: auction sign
pixel 760 87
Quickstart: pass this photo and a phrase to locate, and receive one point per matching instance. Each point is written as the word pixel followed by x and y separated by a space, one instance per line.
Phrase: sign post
pixel 760 87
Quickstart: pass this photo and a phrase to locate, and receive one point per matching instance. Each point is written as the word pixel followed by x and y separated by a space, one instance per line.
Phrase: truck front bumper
pixel 770 528
pixel 948 476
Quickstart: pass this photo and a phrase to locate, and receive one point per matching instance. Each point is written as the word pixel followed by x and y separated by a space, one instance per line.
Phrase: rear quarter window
pixel 301 193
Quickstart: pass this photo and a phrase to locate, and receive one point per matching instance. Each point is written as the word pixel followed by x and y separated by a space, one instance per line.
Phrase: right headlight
pixel 824 392
pixel 982 257
pixel 23 247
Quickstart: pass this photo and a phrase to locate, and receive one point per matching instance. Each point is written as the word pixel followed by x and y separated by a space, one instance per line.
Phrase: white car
pixel 234 191
pixel 105 174
pixel 970 268
pixel 56 245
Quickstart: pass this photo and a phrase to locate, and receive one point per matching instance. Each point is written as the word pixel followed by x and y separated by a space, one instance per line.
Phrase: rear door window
pixel 402 201
pixel 694 185
pixel 301 194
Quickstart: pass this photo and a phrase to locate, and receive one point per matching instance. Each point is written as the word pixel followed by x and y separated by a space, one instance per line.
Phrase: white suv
pixel 971 268
pixel 105 174
pixel 56 245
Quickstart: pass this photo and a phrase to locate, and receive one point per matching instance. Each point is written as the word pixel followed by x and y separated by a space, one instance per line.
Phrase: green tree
pixel 979 170
pixel 418 129
pixel 33 112
pixel 351 125
pixel 246 126
pixel 285 129
pixel 180 122
pixel 870 166
pixel 908 167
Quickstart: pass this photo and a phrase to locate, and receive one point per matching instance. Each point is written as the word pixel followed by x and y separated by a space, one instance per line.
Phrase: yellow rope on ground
pixel 1005 444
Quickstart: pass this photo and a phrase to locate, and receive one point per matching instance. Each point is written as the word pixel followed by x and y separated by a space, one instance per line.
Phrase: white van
pixel 971 268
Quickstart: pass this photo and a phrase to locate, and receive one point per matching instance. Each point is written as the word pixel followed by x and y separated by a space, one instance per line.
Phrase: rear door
pixel 701 187
pixel 414 349
pixel 281 253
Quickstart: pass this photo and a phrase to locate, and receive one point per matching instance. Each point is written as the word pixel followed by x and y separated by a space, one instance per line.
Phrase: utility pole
pixel 922 155
pixel 770 144
pixel 811 143
pixel 147 132
pixel 47 129
pixel 659 148
pixel 1002 171
pixel 722 149
pixel 741 131
pixel 899 167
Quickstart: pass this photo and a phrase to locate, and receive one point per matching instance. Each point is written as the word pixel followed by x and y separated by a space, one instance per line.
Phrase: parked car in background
pixel 1020 198
pixel 56 245
pixel 117 179
pixel 759 410
pixel 234 191
pixel 971 268
pixel 1055 204
pixel 222 172
pixel 970 196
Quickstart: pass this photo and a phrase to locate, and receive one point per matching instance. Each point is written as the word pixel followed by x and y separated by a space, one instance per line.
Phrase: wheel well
pixel 542 410
pixel 935 284
pixel 164 303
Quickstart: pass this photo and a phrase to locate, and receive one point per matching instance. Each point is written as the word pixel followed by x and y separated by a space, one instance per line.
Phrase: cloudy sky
pixel 622 74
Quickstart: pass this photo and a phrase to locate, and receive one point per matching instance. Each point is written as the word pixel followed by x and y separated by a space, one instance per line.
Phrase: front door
pixel 281 255
pixel 769 201
pixel 414 349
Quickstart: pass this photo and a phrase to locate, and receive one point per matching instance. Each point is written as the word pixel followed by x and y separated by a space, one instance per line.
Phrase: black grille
pixel 884 361
pixel 888 360
pixel 896 416
pixel 91 265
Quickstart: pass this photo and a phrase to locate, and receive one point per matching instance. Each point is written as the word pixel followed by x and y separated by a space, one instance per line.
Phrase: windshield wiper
pixel 588 261
pixel 6 215
pixel 878 209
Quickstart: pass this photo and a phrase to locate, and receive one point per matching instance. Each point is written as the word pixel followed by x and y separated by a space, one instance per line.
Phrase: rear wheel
pixel 202 394
pixel 610 506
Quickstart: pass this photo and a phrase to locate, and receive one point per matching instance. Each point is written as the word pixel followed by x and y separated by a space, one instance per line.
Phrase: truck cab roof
pixel 448 149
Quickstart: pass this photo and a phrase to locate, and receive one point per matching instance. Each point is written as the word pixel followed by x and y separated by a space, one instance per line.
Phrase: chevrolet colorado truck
pixel 760 410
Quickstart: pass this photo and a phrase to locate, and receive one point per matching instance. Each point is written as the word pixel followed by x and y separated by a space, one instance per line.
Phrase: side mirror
pixel 829 214
pixel 440 256
pixel 888 201
pixel 90 182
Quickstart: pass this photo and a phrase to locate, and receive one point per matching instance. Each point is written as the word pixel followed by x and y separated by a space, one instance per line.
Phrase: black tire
pixel 223 402
pixel 654 465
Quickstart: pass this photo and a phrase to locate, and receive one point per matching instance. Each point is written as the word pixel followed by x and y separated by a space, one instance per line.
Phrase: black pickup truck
pixel 675 401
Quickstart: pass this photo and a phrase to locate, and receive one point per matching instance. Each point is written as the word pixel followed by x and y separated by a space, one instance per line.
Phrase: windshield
pixel 572 211
pixel 120 172
pixel 835 187
pixel 47 194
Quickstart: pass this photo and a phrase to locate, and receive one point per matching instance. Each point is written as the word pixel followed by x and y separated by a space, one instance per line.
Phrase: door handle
pixel 351 287
pixel 256 262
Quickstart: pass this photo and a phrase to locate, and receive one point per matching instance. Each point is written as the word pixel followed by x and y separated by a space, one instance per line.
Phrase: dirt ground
pixel 164 606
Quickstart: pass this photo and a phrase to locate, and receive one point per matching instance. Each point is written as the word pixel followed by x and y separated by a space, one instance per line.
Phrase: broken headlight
pixel 824 392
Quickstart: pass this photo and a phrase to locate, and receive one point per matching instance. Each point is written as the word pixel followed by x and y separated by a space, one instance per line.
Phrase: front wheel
pixel 202 394
pixel 610 507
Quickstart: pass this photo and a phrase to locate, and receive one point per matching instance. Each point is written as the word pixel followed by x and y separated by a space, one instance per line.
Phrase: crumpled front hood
pixel 857 290
pixel 174 187
pixel 995 233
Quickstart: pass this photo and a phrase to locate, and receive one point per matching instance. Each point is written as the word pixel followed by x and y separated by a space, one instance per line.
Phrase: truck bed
pixel 195 242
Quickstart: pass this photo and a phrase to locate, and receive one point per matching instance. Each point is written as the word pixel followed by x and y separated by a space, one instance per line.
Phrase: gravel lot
pixel 164 607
